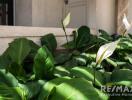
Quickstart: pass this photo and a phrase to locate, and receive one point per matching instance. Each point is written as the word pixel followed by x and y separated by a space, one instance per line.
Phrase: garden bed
pixel 91 67
pixel 29 71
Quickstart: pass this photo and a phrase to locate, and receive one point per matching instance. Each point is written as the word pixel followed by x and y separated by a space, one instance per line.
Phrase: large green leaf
pixel 5 61
pixel 88 73
pixel 122 74
pixel 104 36
pixel 7 79
pixel 49 41
pixel 34 48
pixel 122 77
pixel 107 77
pixel 83 36
pixel 9 86
pixel 112 62
pixel 61 71
pixel 18 50
pixel 28 62
pixel 43 64
pixel 77 89
pixel 61 58
pixel 28 91
pixel 125 44
pixel 129 58
pixel 10 93
pixel 17 70
pixel 32 89
pixel 50 85
pixel 82 59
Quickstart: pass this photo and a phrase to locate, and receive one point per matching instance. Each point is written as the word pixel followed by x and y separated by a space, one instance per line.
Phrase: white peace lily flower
pixel 126 23
pixel 106 51
pixel 67 19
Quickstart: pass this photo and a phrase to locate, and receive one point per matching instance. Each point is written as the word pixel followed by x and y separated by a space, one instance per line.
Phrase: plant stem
pixel 94 74
pixel 66 36
pixel 64 29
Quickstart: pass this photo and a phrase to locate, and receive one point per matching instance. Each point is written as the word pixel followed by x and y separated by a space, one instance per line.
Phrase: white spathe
pixel 66 21
pixel 126 23
pixel 106 51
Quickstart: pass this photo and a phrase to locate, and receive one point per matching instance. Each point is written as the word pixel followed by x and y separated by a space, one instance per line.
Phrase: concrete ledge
pixel 16 31
pixel 9 33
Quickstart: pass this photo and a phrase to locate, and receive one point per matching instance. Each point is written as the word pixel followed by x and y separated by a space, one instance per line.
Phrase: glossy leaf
pixel 129 58
pixel 5 61
pixel 10 93
pixel 122 77
pixel 8 79
pixel 50 85
pixel 32 89
pixel 17 70
pixel 34 48
pixel 49 41
pixel 18 50
pixel 125 44
pixel 104 36
pixel 82 59
pixel 83 36
pixel 61 71
pixel 61 58
pixel 112 62
pixel 43 64
pixel 77 89
pixel 88 74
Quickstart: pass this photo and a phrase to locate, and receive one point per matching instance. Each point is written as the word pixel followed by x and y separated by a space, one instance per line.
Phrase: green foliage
pixel 62 57
pixel 104 36
pixel 81 38
pixel 43 63
pixel 122 77
pixel 32 72
pixel 32 89
pixel 49 41
pixel 8 79
pixel 10 93
pixel 88 74
pixel 18 50
pixel 76 89
pixel 47 88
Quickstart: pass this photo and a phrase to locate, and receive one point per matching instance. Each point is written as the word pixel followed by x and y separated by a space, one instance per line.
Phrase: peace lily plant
pixel 104 52
pixel 41 72
pixel 107 50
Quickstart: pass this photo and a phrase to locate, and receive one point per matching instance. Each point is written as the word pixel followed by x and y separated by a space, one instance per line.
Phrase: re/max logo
pixel 116 89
